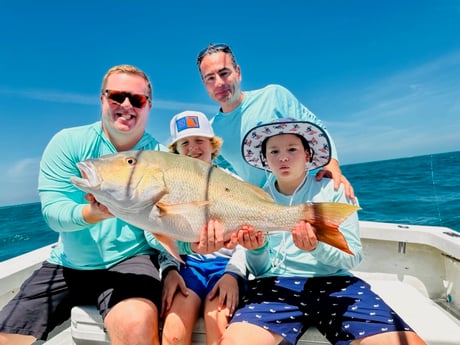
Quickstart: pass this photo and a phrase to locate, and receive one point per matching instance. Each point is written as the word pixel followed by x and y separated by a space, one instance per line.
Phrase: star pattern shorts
pixel 343 308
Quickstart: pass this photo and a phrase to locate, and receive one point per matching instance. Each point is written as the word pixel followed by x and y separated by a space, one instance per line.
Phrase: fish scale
pixel 174 196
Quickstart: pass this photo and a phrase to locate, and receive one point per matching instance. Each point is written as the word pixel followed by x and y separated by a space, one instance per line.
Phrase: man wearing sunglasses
pixel 100 260
pixel 241 111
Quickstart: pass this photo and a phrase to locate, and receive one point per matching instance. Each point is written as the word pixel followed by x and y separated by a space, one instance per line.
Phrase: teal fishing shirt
pixel 82 245
pixel 279 256
pixel 258 106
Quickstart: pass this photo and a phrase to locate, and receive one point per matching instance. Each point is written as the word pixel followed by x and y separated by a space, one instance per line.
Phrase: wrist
pixel 237 277
pixel 168 269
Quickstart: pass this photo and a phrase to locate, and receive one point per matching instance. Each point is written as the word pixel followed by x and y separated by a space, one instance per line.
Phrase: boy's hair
pixel 216 143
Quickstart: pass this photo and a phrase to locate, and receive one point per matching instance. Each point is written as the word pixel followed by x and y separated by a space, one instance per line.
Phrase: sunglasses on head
pixel 213 48
pixel 136 100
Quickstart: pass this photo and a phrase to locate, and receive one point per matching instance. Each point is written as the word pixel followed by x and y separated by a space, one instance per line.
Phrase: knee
pixel 133 326
pixel 12 339
pixel 174 331
pixel 396 338
pixel 211 314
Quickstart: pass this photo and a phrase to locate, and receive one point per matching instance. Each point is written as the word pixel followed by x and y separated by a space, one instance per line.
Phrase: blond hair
pixel 216 144
pixel 128 69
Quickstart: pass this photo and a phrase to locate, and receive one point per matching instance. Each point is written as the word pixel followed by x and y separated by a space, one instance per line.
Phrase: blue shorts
pixel 46 298
pixel 343 308
pixel 201 276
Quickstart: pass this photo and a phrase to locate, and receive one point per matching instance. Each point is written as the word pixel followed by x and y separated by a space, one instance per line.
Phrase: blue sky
pixel 384 76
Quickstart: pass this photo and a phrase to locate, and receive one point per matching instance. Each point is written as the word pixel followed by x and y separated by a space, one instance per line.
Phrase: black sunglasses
pixel 136 100
pixel 213 48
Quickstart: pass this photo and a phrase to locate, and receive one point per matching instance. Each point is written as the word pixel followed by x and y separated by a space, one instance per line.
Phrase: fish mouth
pixel 89 177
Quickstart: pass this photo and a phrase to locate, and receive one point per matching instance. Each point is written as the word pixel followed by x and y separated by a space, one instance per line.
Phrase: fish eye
pixel 131 160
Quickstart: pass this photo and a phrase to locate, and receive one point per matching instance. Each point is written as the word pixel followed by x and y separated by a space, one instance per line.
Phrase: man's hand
pixel 95 211
pixel 332 170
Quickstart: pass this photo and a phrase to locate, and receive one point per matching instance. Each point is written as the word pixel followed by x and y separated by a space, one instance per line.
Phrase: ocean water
pixel 423 190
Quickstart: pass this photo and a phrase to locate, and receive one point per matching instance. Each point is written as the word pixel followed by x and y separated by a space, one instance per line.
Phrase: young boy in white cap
pixel 300 281
pixel 210 282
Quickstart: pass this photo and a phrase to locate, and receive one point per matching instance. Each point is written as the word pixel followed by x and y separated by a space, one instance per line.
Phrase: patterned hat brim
pixel 316 137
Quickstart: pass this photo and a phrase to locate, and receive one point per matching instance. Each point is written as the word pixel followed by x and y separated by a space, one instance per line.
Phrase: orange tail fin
pixel 326 218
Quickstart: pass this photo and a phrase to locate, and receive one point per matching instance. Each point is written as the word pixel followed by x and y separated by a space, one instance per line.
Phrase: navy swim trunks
pixel 343 308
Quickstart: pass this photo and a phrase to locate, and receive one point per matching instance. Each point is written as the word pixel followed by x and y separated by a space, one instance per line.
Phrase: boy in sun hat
pixel 208 282
pixel 300 281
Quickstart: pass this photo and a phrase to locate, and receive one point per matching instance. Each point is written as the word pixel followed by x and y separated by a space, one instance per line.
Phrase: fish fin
pixel 170 245
pixel 326 218
pixel 333 213
pixel 161 194
pixel 164 209
pixel 332 236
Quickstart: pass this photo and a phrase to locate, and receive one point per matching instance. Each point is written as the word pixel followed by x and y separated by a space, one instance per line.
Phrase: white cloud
pixel 414 112
pixel 90 99
pixel 19 184
pixel 51 96
pixel 24 167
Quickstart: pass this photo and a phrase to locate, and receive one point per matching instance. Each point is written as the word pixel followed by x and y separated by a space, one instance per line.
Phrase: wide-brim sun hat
pixel 190 123
pixel 317 139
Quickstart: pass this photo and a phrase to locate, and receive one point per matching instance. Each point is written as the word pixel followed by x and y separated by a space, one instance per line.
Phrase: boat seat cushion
pixel 434 324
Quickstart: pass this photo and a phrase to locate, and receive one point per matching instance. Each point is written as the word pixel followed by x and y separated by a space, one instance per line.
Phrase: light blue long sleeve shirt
pixel 83 245
pixel 258 106
pixel 279 256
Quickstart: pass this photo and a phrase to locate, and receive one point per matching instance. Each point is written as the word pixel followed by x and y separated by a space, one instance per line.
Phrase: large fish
pixel 173 196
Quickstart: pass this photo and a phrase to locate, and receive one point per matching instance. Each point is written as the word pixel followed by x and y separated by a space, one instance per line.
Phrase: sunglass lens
pixel 213 48
pixel 137 101
pixel 116 96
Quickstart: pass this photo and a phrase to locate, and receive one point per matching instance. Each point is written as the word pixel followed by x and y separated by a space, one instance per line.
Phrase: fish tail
pixel 331 213
pixel 326 218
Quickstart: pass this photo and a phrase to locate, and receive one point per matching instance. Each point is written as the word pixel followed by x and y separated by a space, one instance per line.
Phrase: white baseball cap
pixel 190 123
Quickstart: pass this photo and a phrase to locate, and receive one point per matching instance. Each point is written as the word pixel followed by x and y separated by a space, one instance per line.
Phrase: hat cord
pixel 282 248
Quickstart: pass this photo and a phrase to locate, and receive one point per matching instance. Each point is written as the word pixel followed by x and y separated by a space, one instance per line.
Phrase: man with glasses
pixel 241 111
pixel 100 260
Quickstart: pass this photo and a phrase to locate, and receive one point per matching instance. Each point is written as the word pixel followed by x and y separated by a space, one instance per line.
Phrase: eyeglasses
pixel 136 100
pixel 213 48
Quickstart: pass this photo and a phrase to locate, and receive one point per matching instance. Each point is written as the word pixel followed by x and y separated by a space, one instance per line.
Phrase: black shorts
pixel 46 298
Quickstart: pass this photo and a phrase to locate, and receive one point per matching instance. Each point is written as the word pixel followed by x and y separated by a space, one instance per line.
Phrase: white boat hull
pixel 415 269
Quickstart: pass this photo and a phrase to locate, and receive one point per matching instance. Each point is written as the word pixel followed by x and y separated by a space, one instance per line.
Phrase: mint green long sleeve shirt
pixel 83 245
